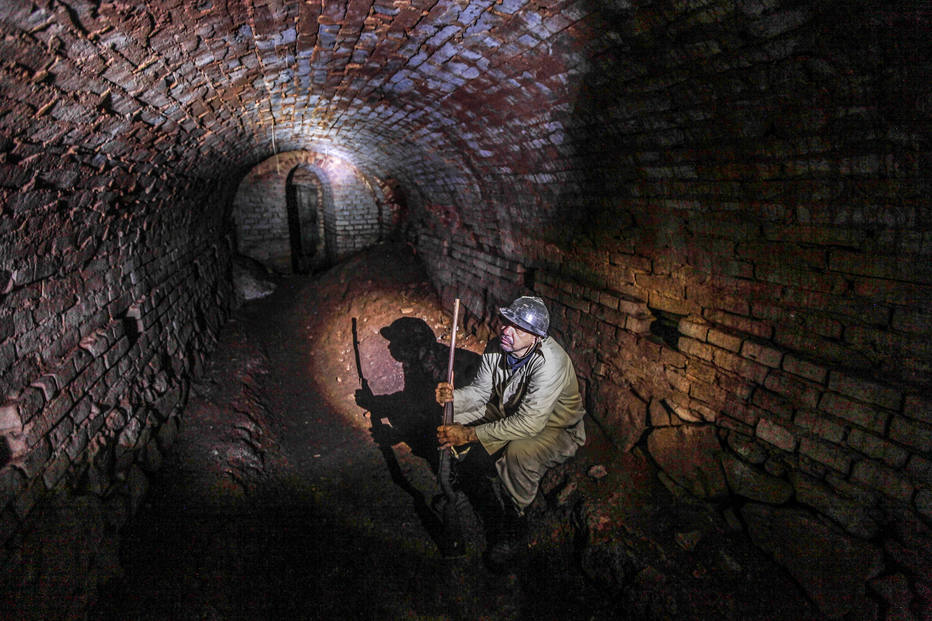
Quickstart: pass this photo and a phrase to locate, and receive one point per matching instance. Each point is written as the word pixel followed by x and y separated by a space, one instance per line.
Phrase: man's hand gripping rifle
pixel 452 530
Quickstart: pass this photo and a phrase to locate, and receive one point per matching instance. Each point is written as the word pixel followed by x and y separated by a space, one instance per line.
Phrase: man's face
pixel 515 340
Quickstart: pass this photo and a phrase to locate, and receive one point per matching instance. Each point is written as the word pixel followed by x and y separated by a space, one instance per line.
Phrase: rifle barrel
pixel 456 312
pixel 448 406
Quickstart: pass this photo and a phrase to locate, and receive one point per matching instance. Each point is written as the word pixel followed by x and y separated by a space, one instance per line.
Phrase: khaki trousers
pixel 522 463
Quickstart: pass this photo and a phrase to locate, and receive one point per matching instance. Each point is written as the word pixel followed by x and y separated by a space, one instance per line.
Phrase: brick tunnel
pixel 724 204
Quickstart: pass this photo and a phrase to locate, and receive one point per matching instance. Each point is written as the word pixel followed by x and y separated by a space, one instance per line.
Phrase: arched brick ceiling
pixel 463 102
pixel 426 91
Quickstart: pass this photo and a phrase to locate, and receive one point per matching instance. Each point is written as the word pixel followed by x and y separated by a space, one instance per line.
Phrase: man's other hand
pixel 444 393
pixel 455 435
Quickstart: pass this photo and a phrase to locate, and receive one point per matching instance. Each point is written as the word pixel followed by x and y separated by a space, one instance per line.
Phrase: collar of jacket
pixel 520 362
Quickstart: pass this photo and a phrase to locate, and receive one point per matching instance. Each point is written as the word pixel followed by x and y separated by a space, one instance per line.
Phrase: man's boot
pixel 510 536
pixel 440 505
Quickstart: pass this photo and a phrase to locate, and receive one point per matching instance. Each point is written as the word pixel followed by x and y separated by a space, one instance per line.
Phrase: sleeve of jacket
pixel 469 401
pixel 545 385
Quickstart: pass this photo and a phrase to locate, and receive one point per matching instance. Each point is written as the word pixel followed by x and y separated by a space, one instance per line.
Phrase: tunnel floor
pixel 283 498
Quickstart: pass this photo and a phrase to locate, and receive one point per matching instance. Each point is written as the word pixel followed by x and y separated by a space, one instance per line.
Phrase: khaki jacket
pixel 505 406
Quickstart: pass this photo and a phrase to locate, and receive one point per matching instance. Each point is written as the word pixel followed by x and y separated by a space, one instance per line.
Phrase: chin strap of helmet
pixel 514 363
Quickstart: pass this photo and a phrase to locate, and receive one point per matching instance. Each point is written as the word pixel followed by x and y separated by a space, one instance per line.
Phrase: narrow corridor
pixel 278 503
pixel 284 499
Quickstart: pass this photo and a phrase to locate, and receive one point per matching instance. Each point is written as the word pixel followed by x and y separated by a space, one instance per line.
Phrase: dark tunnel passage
pixel 723 203
pixel 288 495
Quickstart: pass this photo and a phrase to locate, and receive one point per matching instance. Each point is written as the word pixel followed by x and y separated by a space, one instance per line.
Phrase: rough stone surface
pixel 691 456
pixel 268 450
pixel 624 414
pixel 895 591
pixel 797 540
pixel 754 484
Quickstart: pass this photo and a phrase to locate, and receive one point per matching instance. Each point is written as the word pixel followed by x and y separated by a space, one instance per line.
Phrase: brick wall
pixel 844 424
pixel 743 260
pixel 353 211
pixel 724 202
pixel 106 315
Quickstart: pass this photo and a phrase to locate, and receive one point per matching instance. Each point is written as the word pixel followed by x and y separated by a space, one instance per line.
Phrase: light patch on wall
pixel 339 170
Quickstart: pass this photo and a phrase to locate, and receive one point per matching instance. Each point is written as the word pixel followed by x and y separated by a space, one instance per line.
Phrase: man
pixel 522 412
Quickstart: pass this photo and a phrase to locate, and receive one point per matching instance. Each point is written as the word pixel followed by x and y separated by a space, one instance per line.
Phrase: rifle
pixel 364 384
pixel 452 540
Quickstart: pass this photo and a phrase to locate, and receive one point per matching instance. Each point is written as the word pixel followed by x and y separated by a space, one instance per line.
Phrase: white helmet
pixel 528 313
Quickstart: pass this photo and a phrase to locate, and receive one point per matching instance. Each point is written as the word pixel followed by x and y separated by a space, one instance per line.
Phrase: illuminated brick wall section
pixel 743 282
pixel 353 211
pixel 745 390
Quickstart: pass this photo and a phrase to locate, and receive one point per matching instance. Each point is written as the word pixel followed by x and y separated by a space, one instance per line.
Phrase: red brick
pixel 877 448
pixel 742 324
pixel 774 434
pixel 911 433
pixel 890 267
pixel 772 403
pixel 671 358
pixel 761 353
pixel 748 369
pixel 798 391
pixel 826 454
pixel 708 393
pixel 724 340
pixel 663 285
pixel 865 390
pixel 920 470
pixel 741 412
pixel 9 418
pixel 692 347
pixel 860 414
pixel 883 479
pixel 632 306
pixel 764 252
pixel 677 380
pixel 891 291
pixel 689 326
pixel 727 422
pixel 639 324
pixel 804 368
pixel 915 320
pixel 812 279
pixel 819 235
pixel 820 425
pixel 677 306
pixel 608 300
pixel 631 261
pixel 700 371
pixel 918 408
pixel 815 346
pixel 609 315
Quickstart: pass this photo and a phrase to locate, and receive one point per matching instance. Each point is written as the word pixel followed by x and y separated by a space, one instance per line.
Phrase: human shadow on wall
pixel 411 415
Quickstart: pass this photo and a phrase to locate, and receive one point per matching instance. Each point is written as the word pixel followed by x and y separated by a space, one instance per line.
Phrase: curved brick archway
pixel 724 202
pixel 353 210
